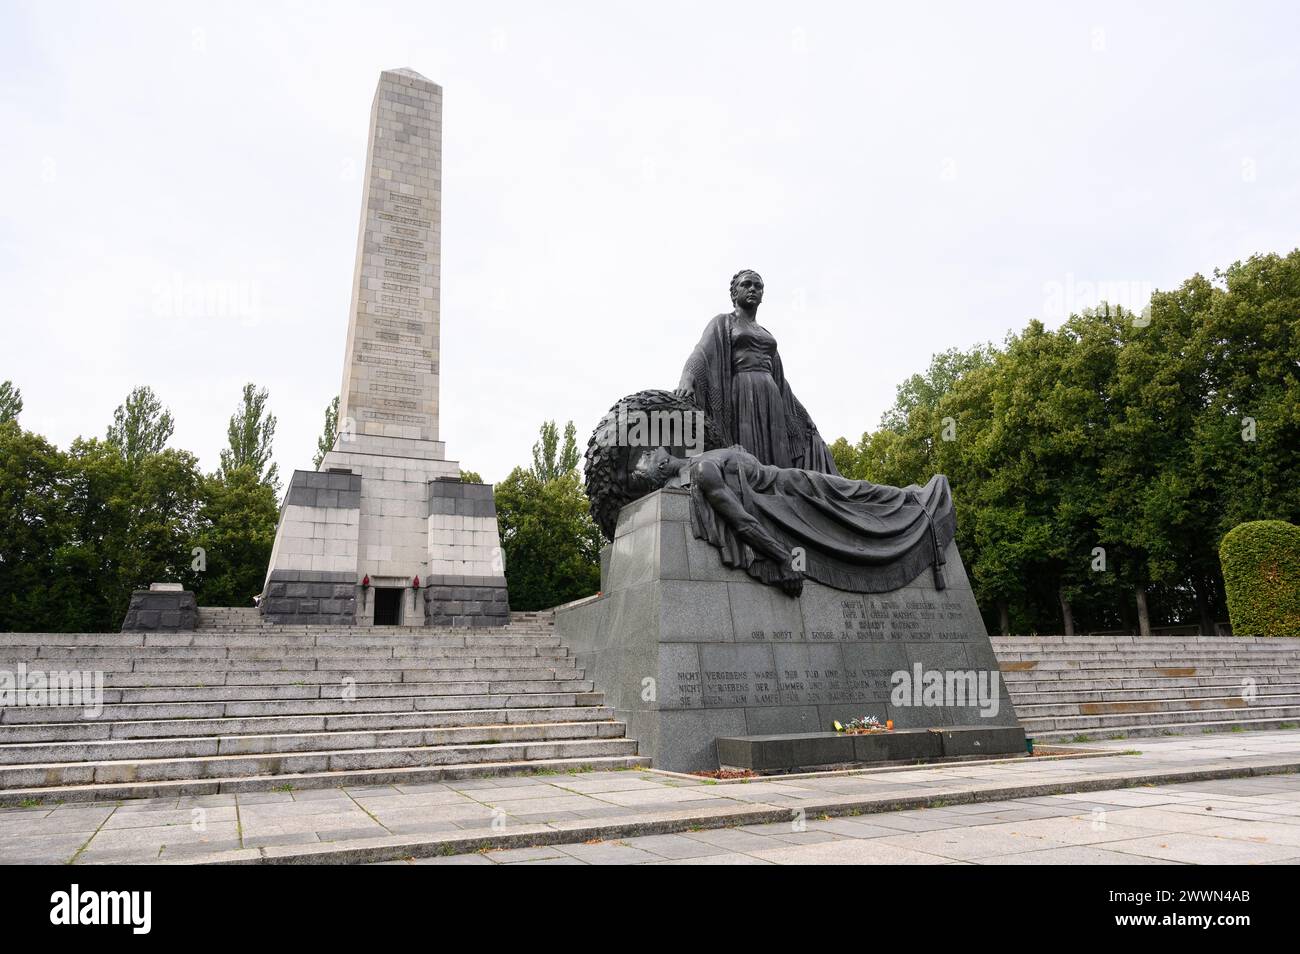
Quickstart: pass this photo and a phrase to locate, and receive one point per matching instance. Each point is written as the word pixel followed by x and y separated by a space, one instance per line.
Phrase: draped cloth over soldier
pixel 852 534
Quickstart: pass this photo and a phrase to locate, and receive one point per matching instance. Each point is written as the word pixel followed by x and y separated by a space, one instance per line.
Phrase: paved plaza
pixel 1224 797
pixel 1232 821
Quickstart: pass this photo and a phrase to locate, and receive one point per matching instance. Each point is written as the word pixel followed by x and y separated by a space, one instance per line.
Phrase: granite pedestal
pixel 167 608
pixel 687 650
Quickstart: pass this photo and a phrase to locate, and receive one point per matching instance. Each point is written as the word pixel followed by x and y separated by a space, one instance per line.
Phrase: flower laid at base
pixel 863 725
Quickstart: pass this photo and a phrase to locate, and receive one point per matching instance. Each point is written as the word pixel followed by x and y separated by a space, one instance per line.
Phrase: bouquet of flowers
pixel 863 725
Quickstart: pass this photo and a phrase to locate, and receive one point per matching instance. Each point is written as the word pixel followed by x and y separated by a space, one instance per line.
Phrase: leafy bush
pixel 1261 574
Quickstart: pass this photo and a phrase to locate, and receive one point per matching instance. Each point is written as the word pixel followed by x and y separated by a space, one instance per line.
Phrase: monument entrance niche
pixel 386 503
pixel 757 593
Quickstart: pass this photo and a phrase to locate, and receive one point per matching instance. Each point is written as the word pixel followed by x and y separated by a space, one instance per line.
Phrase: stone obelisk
pixel 387 507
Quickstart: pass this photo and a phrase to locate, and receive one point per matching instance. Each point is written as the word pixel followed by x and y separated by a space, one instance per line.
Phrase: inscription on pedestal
pixel 892 618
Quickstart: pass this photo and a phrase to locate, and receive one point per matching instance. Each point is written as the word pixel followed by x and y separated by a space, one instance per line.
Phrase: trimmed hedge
pixel 1261 573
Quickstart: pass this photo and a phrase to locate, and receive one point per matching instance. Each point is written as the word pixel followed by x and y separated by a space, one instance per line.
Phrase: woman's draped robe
pixel 709 373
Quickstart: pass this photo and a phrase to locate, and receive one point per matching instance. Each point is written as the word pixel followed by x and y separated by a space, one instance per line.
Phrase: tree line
pixel 1095 470
pixel 81 528
pixel 1096 467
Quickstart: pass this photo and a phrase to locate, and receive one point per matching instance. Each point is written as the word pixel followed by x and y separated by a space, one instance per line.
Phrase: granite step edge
pixel 398 848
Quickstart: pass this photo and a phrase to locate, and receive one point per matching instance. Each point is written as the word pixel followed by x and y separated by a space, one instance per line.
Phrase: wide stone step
pixel 315 780
pixel 520 667
pixel 1221 714
pixel 337 686
pixel 272 631
pixel 1024 662
pixel 110 657
pixel 1122 730
pixel 54 774
pixel 1152 676
pixel 1149 667
pixel 450 640
pixel 243 702
pixel 193 747
pixel 1107 685
pixel 1023 698
pixel 1137 706
pixel 100 730
pixel 1156 642
pixel 521 680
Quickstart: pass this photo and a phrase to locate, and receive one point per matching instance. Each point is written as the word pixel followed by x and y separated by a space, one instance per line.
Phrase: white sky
pixel 907 178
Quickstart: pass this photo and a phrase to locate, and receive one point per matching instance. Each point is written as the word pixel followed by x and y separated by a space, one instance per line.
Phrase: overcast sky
pixel 907 178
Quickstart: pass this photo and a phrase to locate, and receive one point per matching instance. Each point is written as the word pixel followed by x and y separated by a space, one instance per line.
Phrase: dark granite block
pixel 301 497
pixel 166 610
pixel 982 740
pixel 903 744
pixel 822 748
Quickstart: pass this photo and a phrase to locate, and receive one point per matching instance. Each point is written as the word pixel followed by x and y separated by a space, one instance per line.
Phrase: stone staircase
pixel 1089 688
pixel 247 619
pixel 239 705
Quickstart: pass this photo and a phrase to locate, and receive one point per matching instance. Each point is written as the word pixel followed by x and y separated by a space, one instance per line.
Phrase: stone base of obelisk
pixel 391 511
pixel 687 650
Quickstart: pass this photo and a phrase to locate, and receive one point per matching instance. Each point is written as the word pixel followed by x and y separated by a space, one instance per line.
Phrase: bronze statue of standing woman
pixel 735 377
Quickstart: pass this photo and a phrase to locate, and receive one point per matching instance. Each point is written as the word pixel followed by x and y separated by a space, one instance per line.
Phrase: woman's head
pixel 747 288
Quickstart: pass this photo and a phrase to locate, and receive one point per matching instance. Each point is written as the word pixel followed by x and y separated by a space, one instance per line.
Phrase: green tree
pixel 11 402
pixel 552 546
pixel 470 477
pixel 250 436
pixel 325 443
pixel 236 530
pixel 33 528
pixel 141 425
pixel 550 459
pixel 924 391
pixel 130 524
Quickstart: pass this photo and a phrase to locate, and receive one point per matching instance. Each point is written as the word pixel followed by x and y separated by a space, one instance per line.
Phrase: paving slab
pixel 1161 791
